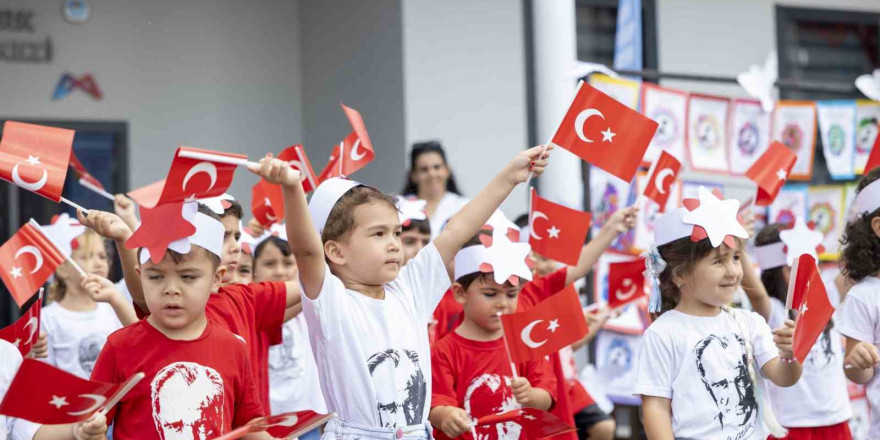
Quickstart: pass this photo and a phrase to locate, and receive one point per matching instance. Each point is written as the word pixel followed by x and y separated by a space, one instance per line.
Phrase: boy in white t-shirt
pixel 368 316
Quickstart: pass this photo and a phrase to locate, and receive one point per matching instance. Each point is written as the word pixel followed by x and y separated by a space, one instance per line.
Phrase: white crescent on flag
pixel 96 398
pixel 30 186
pixel 526 335
pixel 202 167
pixel 623 296
pixel 33 250
pixel 355 156
pixel 659 182
pixel 32 325
pixel 536 214
pixel 581 119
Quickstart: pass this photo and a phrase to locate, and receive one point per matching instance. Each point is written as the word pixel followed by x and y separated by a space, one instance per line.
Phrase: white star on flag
pixel 58 401
pixel 33 160
pixel 529 417
pixel 267 201
pixel 800 240
pixel 554 324
pixel 15 272
pixel 607 135
pixel 17 342
pixel 781 174
pixel 507 258
pixel 716 216
pixel 553 232
pixel 804 307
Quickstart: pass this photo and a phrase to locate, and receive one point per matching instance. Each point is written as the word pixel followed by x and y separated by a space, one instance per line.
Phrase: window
pixel 596 22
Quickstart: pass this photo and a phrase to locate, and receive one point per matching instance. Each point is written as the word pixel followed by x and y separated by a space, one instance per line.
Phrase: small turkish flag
pixel 874 158
pixel 353 153
pixel 160 226
pixel 27 260
pixel 44 394
pixel 770 172
pixel 534 422
pixel 23 334
pixel 82 172
pixel 555 323
pixel 282 426
pixel 35 157
pixel 626 282
pixel 665 171
pixel 267 203
pixel 557 232
pixel 189 179
pixel 625 133
pixel 814 311
pixel 297 159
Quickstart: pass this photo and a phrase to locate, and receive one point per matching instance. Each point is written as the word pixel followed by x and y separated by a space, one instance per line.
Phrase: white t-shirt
pixel 293 375
pixel 76 338
pixel 12 428
pixel 859 319
pixel 373 357
pixel 701 364
pixel 448 206
pixel 820 397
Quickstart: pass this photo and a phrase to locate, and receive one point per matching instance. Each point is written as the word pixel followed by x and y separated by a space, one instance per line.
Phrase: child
pixel 83 310
pixel 367 314
pixel 199 383
pixel 695 372
pixel 293 375
pixel 818 405
pixel 472 376
pixel 859 317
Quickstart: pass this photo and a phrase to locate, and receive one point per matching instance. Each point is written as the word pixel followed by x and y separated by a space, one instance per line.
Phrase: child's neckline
pixel 691 315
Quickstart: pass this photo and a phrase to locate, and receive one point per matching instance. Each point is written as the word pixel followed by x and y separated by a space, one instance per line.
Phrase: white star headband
pixel 504 258
pixel 325 197
pixel 709 216
pixel 209 234
pixel 247 241
pixel 63 231
pixel 218 204
pixel 409 208
pixel 868 199
pixel 500 221
pixel 799 240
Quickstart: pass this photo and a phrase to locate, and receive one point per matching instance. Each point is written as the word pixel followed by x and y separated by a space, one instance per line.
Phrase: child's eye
pixel 380 234
pixel 154 277
pixel 189 277
pixel 397 233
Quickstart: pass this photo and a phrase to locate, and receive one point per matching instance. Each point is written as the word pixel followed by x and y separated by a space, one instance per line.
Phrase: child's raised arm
pixel 621 221
pixel 112 227
pixel 467 222
pixel 754 288
pixel 305 243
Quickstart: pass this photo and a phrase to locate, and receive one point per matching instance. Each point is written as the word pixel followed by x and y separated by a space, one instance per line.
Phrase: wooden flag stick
pixel 198 155
pixel 97 190
pixel 79 269
pixel 507 348
pixel 129 384
pixel 341 157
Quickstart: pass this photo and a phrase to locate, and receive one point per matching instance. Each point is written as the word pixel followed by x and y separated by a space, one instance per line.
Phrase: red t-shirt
pixel 476 376
pixel 247 310
pixel 448 315
pixel 192 389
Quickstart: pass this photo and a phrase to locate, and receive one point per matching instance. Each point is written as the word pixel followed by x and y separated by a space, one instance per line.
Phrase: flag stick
pixel 74 205
pixel 36 225
pixel 129 384
pixel 474 430
pixel 88 185
pixel 507 348
pixel 198 155
pixel 341 157
pixel 550 141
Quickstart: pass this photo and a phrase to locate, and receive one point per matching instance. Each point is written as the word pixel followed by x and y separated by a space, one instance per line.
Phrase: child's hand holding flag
pixel 276 171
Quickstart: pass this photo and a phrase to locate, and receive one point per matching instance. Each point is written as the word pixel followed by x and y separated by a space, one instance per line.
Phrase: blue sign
pixel 628 40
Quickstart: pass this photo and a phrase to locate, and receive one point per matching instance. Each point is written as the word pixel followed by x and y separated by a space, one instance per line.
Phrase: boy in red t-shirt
pixel 199 383
pixel 472 375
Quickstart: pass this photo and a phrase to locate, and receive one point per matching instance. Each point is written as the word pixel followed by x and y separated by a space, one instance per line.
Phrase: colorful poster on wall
pixel 616 365
pixel 690 188
pixel 632 317
pixel 837 128
pixel 789 204
pixel 649 210
pixel 707 133
pixel 867 120
pixel 668 108
pixel 625 91
pixel 794 124
pixel 825 210
pixel 749 134
pixel 607 195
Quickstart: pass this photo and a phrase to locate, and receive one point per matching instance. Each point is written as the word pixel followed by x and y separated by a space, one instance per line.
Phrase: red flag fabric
pixel 536 424
pixel 332 169
pixel 297 159
pixel 283 426
pixel 604 132
pixel 160 226
pixel 814 311
pixel 27 260
pixel 665 171
pixel 23 334
pixel 551 325
pixel 353 153
pixel 82 172
pixel 35 157
pixel 188 179
pixel 42 393
pixel 626 282
pixel 874 157
pixel 770 172
pixel 267 203
pixel 556 231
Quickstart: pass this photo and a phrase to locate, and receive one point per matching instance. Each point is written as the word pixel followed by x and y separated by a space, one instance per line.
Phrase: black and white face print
pixel 401 389
pixel 722 364
pixel 89 349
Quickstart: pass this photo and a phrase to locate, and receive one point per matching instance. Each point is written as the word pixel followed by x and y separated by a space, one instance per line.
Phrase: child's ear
pixel 218 278
pixel 459 293
pixel 333 252
pixel 875 225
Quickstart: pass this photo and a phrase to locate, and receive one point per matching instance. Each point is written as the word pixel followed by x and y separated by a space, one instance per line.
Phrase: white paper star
pixel 716 216
pixel 58 401
pixel 554 324
pixel 33 160
pixel 781 174
pixel 411 209
pixel 216 203
pixel 553 232
pixel 63 231
pixel 507 258
pixel 499 220
pixel 15 272
pixel 607 135
pixel 800 240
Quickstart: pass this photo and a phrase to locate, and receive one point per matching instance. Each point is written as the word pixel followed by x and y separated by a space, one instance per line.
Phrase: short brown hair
pixel 234 210
pixel 340 222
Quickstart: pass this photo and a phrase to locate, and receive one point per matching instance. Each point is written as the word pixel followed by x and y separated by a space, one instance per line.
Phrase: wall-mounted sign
pixel 76 11
pixel 68 83
pixel 19 49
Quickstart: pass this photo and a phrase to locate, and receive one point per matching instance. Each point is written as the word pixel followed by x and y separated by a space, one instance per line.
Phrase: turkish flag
pixel 557 232
pixel 770 172
pixel 665 171
pixel 267 203
pixel 283 426
pixel 534 422
pixel 604 132
pixel 353 153
pixel 82 172
pixel 626 282
pixel 44 394
pixel 814 311
pixel 35 157
pixel 23 334
pixel 189 179
pixel 27 260
pixel 160 226
pixel 298 160
pixel 874 158
pixel 553 324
